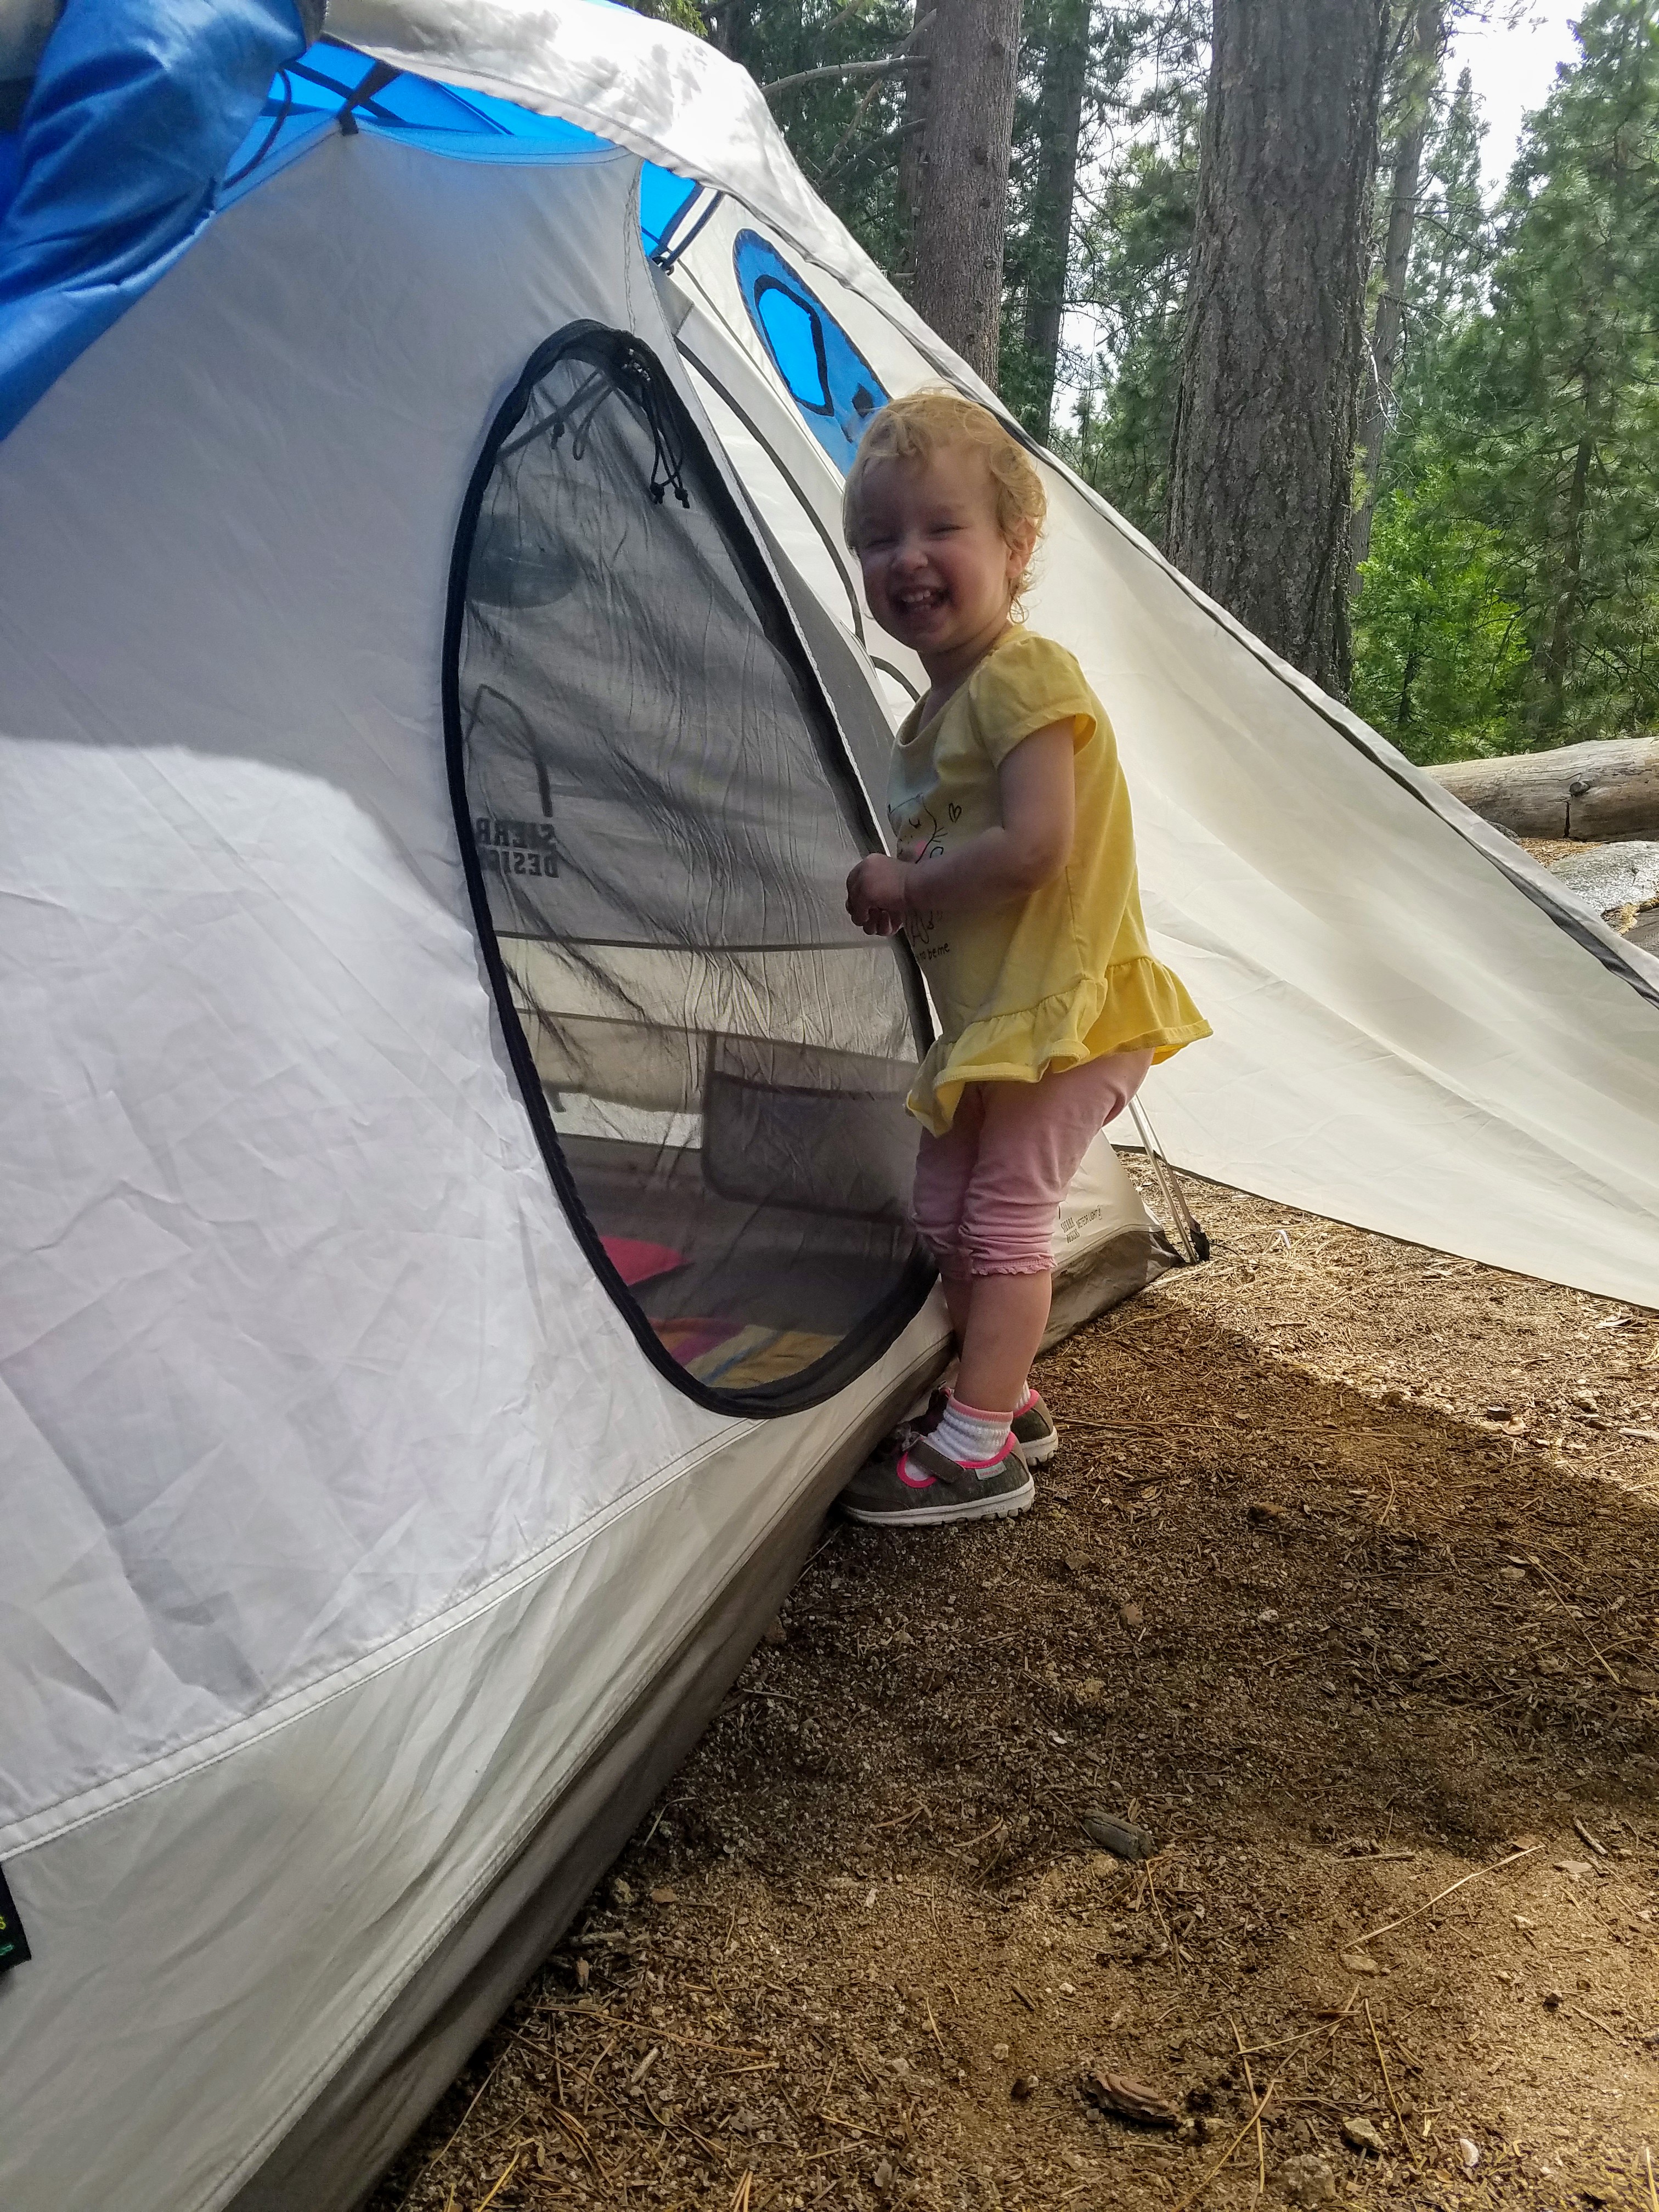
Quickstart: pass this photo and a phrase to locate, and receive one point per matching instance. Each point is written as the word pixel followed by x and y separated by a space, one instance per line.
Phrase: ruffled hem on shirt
pixel 1138 1005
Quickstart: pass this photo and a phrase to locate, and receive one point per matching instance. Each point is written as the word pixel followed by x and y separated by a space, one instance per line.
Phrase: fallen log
pixel 1606 789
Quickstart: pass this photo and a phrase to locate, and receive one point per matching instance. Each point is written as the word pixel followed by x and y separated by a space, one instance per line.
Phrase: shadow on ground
pixel 1337 1655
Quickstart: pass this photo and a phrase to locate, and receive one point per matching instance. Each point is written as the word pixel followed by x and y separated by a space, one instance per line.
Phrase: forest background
pixel 1067 189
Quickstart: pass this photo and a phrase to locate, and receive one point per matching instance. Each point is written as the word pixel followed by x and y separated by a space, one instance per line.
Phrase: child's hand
pixel 875 895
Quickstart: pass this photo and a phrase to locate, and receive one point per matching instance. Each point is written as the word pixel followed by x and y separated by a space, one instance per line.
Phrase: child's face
pixel 938 572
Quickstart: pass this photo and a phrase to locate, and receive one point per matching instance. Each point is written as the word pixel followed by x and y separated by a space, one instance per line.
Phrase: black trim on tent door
pixel 681 470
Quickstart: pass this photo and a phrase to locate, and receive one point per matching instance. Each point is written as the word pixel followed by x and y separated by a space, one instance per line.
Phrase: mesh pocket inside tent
pixel 660 818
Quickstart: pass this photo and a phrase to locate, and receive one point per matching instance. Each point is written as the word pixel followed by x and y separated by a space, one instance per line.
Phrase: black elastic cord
pixel 636 375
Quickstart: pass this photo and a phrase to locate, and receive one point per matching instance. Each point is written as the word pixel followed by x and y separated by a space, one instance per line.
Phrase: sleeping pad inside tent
pixel 454 1243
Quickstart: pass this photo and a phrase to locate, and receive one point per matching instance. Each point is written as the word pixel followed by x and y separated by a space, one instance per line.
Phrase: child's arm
pixel 1037 791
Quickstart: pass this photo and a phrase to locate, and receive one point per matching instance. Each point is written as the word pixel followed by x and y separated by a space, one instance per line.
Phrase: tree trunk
pixel 963 189
pixel 1416 96
pixel 917 85
pixel 1049 252
pixel 1261 464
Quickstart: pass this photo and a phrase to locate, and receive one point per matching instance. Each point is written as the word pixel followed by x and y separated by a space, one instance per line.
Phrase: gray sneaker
pixel 1034 1429
pixel 911 1484
pixel 1035 1433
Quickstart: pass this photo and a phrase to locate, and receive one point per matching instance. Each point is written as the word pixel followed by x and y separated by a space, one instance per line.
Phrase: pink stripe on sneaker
pixel 914 1481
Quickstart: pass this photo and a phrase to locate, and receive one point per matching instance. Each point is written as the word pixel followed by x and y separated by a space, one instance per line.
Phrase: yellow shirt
pixel 1064 975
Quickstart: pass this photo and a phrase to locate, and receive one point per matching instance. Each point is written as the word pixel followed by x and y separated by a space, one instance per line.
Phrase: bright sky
pixel 1513 71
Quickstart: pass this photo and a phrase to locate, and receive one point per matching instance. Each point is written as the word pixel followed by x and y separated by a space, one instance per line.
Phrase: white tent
pixel 387 1513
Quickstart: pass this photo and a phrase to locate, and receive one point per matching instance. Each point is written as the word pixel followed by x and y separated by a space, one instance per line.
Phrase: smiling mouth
pixel 918 602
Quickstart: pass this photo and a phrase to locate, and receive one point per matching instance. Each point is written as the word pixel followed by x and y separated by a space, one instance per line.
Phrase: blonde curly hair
pixel 922 423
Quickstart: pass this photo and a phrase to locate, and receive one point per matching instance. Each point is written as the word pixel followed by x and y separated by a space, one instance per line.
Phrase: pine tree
pixel 1440 654
pixel 846 131
pixel 1133 247
pixel 1560 451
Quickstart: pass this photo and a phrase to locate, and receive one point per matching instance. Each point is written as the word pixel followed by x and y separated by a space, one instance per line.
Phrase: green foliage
pixel 846 132
pixel 1133 248
pixel 1528 435
pixel 1440 660
pixel 1137 251
pixel 1559 451
pixel 680 13
pixel 1045 253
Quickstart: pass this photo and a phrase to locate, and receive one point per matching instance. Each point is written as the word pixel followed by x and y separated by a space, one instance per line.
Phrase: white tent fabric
pixel 1415 1031
pixel 369 1578
pixel 352 1535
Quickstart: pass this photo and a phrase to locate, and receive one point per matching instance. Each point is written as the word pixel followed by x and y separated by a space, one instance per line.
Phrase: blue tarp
pixel 146 116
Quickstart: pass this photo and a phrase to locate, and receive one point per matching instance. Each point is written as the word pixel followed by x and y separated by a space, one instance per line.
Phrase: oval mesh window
pixel 658 819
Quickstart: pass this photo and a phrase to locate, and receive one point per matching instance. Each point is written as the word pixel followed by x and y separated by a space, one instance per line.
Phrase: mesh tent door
pixel 658 815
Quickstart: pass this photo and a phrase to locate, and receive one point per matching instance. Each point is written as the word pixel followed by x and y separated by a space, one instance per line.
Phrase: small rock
pixel 665 1896
pixel 883 2176
pixel 775 1632
pixel 1511 1574
pixel 1021 2086
pixel 1308 2180
pixel 1122 1838
pixel 1129 2100
pixel 1130 1614
pixel 583 1970
pixel 621 1893
pixel 1552 2000
pixel 999 2051
pixel 1574 1869
pixel 1500 1413
pixel 1359 2135
pixel 1262 1509
pixel 1468 2154
pixel 1267 1617
pixel 1358 1962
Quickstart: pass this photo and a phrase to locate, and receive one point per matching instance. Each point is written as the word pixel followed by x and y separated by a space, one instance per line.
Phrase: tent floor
pixel 781 1266
pixel 1263 1609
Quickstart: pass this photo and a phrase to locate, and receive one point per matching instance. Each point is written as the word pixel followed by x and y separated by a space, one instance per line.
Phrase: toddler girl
pixel 1015 883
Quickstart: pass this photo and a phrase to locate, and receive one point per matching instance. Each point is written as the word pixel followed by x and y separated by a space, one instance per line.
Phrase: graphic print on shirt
pixel 920 838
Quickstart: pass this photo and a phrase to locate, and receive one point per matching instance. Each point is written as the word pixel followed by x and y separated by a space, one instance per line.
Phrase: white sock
pixel 967 1433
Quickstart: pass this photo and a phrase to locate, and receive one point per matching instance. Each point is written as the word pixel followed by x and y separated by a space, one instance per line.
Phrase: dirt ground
pixel 1345 1587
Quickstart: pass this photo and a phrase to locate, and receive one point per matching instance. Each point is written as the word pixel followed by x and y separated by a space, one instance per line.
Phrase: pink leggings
pixel 986 1192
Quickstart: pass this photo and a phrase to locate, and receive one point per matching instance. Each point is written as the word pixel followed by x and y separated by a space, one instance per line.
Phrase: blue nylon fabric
pixel 148 115
pixel 137 108
pixel 305 100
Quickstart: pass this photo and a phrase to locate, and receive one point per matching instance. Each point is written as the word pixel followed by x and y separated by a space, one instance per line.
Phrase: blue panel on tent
pixel 146 116
pixel 330 82
pixel 137 106
pixel 828 379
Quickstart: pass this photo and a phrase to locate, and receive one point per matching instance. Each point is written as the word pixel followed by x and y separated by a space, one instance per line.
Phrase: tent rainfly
pixel 453 1242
